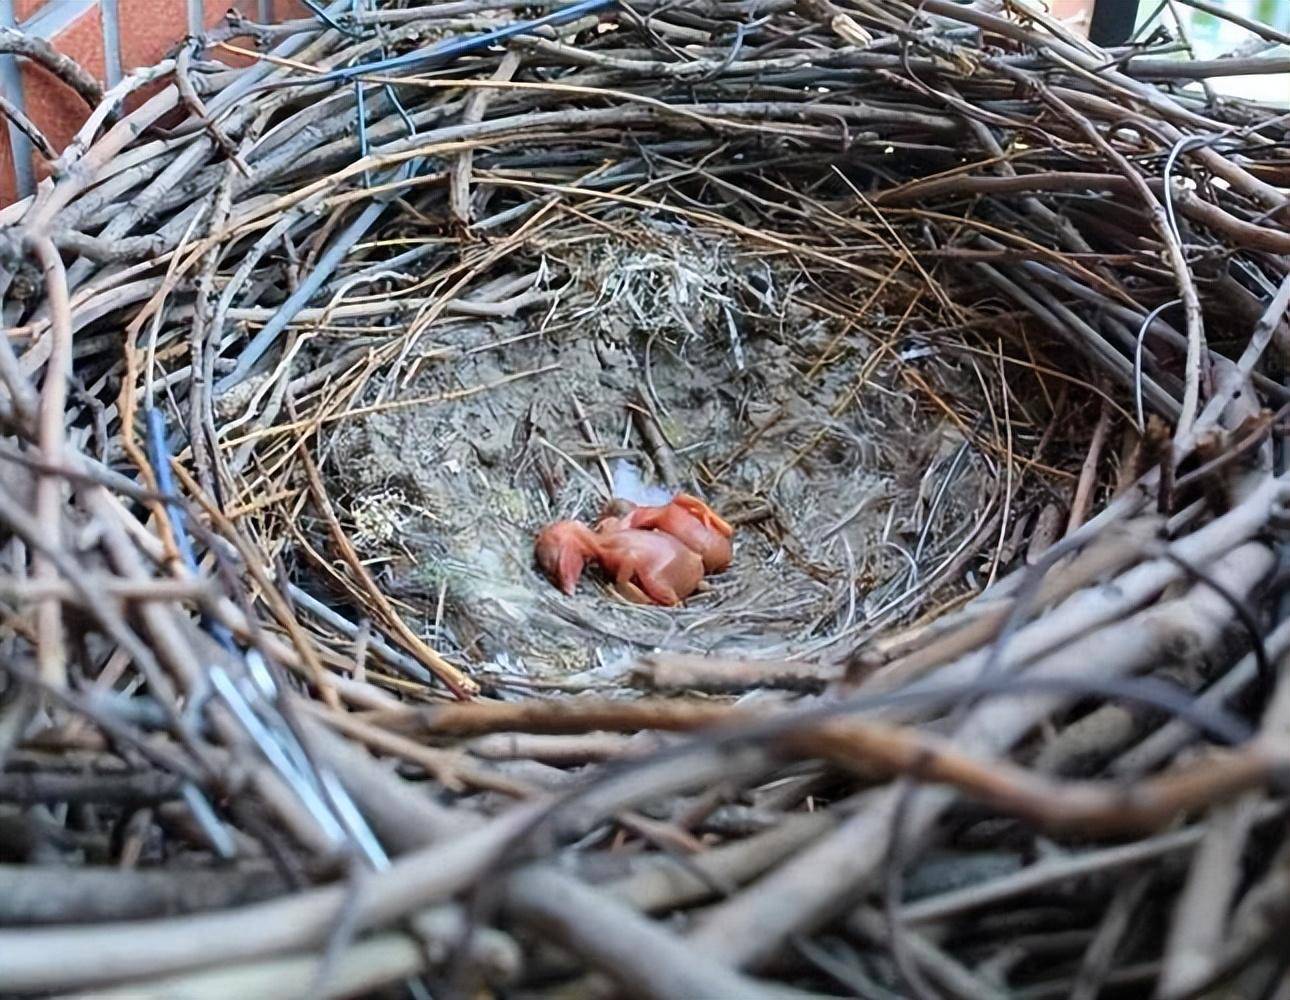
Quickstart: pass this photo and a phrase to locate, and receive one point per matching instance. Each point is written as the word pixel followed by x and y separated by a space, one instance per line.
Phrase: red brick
pixel 288 10
pixel 23 10
pixel 8 180
pixel 57 110
pixel 149 29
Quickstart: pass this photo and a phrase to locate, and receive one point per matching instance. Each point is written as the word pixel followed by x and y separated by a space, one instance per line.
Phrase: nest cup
pixel 647 351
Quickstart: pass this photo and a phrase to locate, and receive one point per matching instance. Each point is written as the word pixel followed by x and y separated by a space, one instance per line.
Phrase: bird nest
pixel 972 330
pixel 672 354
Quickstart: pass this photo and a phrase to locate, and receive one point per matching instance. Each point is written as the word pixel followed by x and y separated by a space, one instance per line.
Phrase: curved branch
pixel 39 51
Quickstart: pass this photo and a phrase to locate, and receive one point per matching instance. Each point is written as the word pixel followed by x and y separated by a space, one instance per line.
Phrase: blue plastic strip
pixel 159 456
pixel 327 263
pixel 452 48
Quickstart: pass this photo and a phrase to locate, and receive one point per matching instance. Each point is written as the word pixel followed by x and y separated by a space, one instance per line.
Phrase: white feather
pixel 628 485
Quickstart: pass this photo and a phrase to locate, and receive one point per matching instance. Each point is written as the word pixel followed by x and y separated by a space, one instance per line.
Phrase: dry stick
pixel 49 488
pixel 31 895
pixel 803 893
pixel 1088 472
pixel 20 521
pixel 589 433
pixel 1258 918
pixel 1097 606
pixel 647 425
pixel 1173 252
pixel 664 671
pixel 643 958
pixel 401 813
pixel 910 657
pixel 1163 104
pixel 126 250
pixel 1200 916
pixel 128 950
pixel 1099 958
pixel 1175 734
pixel 875 749
pixel 365 967
pixel 1088 808
pixel 39 51
pixel 31 592
pixel 153 948
pixel 323 681
pixel 1264 31
pixel 561 751
pixel 476 105
pixel 1185 201
pixel 951 975
pixel 1053 870
pixel 667 884
pixel 450 768
pixel 84 137
pixel 197 110
pixel 29 787
pixel 1077 55
pixel 82 173
pixel 1219 164
pixel 1202 69
pixel 127 396
pixel 28 128
pixel 184 649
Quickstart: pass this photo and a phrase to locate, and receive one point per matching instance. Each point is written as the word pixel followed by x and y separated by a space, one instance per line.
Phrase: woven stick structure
pixel 975 331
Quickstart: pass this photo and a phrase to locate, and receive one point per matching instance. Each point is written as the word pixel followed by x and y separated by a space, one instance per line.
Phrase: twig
pixel 28 128
pixel 42 53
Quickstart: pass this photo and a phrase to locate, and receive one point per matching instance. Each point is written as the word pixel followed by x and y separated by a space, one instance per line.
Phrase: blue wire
pixel 159 458
pixel 323 269
pixel 452 48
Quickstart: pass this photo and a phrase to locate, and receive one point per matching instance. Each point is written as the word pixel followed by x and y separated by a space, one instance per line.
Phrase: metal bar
pixel 323 269
pixel 11 86
pixel 110 17
pixel 54 17
pixel 1112 22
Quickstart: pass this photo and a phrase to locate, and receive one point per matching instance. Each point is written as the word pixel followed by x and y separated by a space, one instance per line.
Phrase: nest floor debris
pixel 712 371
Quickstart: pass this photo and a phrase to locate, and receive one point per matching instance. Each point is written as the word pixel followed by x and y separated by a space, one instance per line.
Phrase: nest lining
pixel 704 364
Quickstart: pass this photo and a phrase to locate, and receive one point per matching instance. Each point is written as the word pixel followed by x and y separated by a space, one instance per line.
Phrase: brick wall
pixel 107 38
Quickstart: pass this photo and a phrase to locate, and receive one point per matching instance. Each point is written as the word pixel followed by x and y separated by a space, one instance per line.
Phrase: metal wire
pixel 448 50
pixel 1137 359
